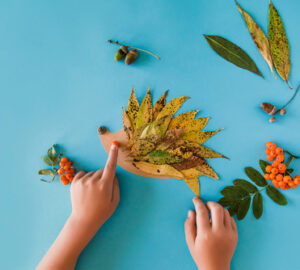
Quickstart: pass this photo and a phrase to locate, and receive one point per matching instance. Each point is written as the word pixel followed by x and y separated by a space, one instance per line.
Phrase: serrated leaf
pixel 132 107
pixel 232 53
pixel 245 185
pixel 206 170
pixel 191 173
pixel 51 152
pixel 192 162
pixel 234 193
pixel 172 107
pixel 47 160
pixel 176 121
pixel 243 208
pixel 258 36
pixel 255 176
pixel 159 105
pixel 144 115
pixel 193 184
pixel 225 202
pixel 257 205
pixel 46 172
pixel 276 195
pixel 279 44
pixel 161 157
pixel 263 164
pixel 198 136
pixel 165 170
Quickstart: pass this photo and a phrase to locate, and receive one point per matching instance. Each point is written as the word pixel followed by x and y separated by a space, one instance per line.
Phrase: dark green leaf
pixel 263 164
pixel 234 193
pixel 233 208
pixel 47 160
pixel 232 53
pixel 276 195
pixel 256 177
pixel 56 159
pixel 243 208
pixel 225 202
pixel 51 152
pixel 46 172
pixel 245 185
pixel 257 205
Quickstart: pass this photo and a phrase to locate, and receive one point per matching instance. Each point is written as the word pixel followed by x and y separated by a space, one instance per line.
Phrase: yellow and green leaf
pixel 144 115
pixel 198 136
pixel 172 107
pixel 161 157
pixel 132 107
pixel 178 120
pixel 194 185
pixel 159 105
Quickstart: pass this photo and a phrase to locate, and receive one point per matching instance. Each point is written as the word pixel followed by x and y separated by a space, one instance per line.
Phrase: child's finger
pixel 227 219
pixel 190 228
pixel 202 218
pixel 233 224
pixel 88 175
pixel 98 174
pixel 217 214
pixel 116 192
pixel 78 176
pixel 109 171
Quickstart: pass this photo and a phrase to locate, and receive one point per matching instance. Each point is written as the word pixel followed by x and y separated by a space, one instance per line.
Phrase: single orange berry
pixel 72 170
pixel 275 183
pixel 275 164
pixel 267 176
pixel 279 177
pixel 270 158
pixel 282 167
pixel 64 159
pixel 291 184
pixel 287 179
pixel 272 153
pixel 61 171
pixel 67 167
pixel 272 176
pixel 281 183
pixel 274 171
pixel 271 145
pixel 268 168
pixel 280 157
pixel 297 180
pixel 64 179
pixel 279 150
pixel 62 164
pixel 69 175
pixel 267 151
pixel 71 178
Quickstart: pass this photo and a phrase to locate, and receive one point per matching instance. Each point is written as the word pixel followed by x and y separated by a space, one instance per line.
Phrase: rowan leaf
pixel 263 164
pixel 127 126
pixel 257 205
pixel 165 170
pixel 234 193
pixel 276 195
pixel 144 115
pixel 255 176
pixel 245 185
pixel 172 107
pixel 176 121
pixel 51 152
pixel 193 184
pixel 279 44
pixel 46 172
pixel 243 208
pixel 233 208
pixel 161 157
pixel 225 202
pixel 198 136
pixel 159 105
pixel 132 107
pixel 258 36
pixel 47 160
pixel 232 53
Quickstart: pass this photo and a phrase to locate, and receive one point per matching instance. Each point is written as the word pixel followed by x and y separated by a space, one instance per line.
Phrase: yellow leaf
pixel 165 170
pixel 206 170
pixel 142 147
pixel 144 115
pixel 127 126
pixel 194 185
pixel 191 173
pixel 172 107
pixel 158 106
pixel 176 121
pixel 198 136
pixel 193 124
pixel 156 128
pixel 132 107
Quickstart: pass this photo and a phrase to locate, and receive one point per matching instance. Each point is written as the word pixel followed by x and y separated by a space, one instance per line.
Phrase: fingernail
pixel 115 144
pixel 189 214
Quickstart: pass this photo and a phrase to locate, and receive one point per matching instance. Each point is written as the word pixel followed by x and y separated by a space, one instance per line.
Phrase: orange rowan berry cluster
pixel 277 172
pixel 66 171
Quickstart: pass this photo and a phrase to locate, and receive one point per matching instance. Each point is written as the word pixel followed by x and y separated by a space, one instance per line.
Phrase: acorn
pixel 102 130
pixel 131 56
pixel 272 119
pixel 121 53
pixel 282 111
pixel 268 108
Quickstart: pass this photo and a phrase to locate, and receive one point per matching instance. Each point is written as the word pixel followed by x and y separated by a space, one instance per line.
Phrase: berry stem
pixel 297 90
pixel 135 48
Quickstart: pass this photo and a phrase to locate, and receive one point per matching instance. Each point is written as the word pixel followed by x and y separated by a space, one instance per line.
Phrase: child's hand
pixel 211 242
pixel 95 195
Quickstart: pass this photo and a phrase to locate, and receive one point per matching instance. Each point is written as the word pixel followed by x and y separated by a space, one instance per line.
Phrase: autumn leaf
pixel 279 44
pixel 127 126
pixel 144 115
pixel 161 157
pixel 181 118
pixel 159 105
pixel 194 185
pixel 258 36
pixel 191 173
pixel 206 170
pixel 198 136
pixel 132 107
pixel 189 163
pixel 156 128
pixel 172 107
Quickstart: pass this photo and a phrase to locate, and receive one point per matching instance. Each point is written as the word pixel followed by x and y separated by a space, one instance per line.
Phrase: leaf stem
pixel 291 99
pixel 135 48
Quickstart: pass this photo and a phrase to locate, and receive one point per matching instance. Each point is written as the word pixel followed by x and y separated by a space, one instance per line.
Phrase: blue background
pixel 59 82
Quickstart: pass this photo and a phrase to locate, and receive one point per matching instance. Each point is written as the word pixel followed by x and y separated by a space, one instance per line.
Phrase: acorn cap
pixel 272 119
pixel 282 111
pixel 131 56
pixel 268 108
pixel 121 52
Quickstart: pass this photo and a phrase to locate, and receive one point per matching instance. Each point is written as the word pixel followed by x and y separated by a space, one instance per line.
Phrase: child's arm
pixel 211 241
pixel 95 196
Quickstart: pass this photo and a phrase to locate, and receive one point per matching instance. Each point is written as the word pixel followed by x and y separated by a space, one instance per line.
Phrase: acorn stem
pixel 135 48
pixel 287 82
pixel 291 99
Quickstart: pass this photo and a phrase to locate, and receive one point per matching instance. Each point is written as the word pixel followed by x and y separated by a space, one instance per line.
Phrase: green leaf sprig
pixel 238 197
pixel 51 159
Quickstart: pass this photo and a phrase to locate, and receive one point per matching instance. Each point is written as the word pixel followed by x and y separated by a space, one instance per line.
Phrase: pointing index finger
pixel 109 172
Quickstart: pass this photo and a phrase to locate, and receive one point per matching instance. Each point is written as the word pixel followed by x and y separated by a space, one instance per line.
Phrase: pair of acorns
pixel 130 55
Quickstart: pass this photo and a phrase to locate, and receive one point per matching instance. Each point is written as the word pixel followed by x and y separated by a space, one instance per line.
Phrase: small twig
pixel 289 153
pixel 296 92
pixel 135 48
pixel 287 82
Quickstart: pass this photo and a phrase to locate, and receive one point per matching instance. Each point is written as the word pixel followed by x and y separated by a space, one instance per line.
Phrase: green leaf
pixel 245 185
pixel 234 193
pixel 233 208
pixel 46 172
pixel 161 157
pixel 51 152
pixel 243 208
pixel 225 202
pixel 263 164
pixel 279 44
pixel 257 205
pixel 232 53
pixel 47 160
pixel 276 195
pixel 56 159
pixel 255 176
